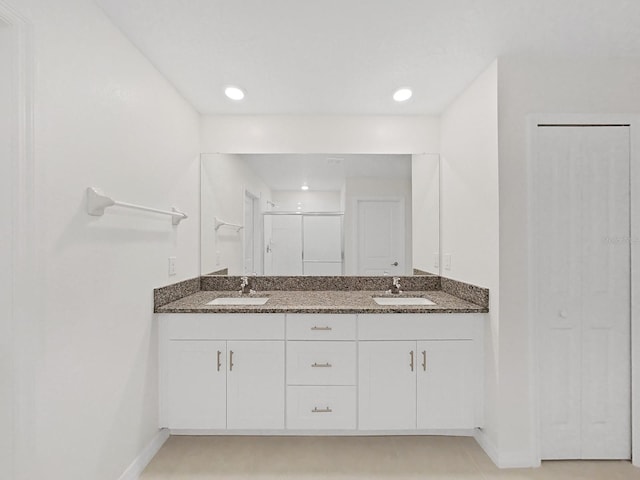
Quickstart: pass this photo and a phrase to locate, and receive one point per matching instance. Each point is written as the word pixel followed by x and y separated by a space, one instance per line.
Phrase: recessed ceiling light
pixel 234 93
pixel 304 187
pixel 402 94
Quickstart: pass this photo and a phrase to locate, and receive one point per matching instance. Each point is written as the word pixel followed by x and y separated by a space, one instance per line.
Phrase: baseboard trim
pixel 500 459
pixel 488 446
pixel 138 465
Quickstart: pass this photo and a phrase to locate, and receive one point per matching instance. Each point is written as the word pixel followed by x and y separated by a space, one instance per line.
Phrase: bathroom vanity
pixel 321 362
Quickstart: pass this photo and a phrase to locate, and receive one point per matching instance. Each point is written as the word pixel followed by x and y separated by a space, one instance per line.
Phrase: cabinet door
pixel 387 385
pixel 255 385
pixel 446 384
pixel 196 389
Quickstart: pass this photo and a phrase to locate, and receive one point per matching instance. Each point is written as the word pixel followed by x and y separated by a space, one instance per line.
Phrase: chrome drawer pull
pixel 218 360
pixel 327 328
pixel 321 365
pixel 321 410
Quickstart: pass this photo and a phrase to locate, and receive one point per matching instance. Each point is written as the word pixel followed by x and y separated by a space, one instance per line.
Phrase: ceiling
pixel 325 172
pixel 349 56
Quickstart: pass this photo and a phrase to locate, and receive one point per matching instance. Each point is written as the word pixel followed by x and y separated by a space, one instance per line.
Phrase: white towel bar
pixel 98 201
pixel 217 223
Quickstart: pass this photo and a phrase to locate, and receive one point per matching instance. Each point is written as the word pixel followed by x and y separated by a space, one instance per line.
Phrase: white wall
pixel 105 117
pixel 425 190
pixel 320 134
pixel 469 210
pixel 370 187
pixel 7 127
pixel 533 86
pixel 224 180
pixel 287 201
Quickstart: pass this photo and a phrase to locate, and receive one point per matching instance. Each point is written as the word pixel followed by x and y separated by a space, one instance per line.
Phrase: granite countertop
pixel 321 301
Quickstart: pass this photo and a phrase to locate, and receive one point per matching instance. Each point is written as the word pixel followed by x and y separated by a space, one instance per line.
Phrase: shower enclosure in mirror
pixel 312 214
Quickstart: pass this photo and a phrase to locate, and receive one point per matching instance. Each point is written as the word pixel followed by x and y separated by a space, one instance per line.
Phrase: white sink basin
pixel 239 301
pixel 402 301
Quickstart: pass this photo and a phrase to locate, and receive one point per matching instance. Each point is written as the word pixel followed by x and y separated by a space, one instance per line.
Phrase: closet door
pixel 606 294
pixel 582 288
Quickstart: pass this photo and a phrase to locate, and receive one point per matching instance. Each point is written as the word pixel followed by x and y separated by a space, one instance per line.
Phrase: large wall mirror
pixel 319 214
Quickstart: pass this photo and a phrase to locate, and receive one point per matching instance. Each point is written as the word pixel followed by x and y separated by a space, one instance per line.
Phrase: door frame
pixel 256 228
pixel 355 247
pixel 633 121
pixel 26 272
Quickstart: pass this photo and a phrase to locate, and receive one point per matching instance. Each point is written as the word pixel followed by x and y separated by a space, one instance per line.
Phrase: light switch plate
pixel 447 261
pixel 172 265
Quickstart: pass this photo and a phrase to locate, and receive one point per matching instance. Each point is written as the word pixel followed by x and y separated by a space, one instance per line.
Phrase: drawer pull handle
pixel 321 410
pixel 321 365
pixel 218 360
pixel 411 363
pixel 424 360
pixel 327 328
pixel 230 360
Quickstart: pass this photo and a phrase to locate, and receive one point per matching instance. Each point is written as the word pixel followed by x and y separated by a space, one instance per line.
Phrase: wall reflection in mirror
pixel 313 214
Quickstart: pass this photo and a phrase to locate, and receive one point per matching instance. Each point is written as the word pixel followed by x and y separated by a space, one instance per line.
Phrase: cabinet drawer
pixel 321 408
pixel 202 326
pixel 321 327
pixel 321 363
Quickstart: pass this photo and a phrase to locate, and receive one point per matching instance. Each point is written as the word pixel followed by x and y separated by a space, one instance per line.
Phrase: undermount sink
pixel 403 301
pixel 239 301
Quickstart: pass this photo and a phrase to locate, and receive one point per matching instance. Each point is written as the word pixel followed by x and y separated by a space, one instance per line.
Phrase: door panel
pixel 255 385
pixel 381 228
pixel 387 386
pixel 445 384
pixel 249 235
pixel 322 238
pixel 581 231
pixel 196 386
pixel 285 245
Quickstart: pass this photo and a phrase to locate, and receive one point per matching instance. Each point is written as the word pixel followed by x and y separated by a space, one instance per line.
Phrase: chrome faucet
pixel 245 286
pixel 395 287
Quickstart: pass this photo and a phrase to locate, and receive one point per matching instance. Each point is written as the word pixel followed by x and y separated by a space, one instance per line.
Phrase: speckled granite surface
pixel 321 294
pixel 341 283
pixel 417 271
pixel 171 293
pixel 222 271
pixel 466 291
pixel 321 301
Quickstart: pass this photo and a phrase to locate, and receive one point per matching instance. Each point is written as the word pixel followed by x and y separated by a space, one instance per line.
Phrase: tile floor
pixel 350 458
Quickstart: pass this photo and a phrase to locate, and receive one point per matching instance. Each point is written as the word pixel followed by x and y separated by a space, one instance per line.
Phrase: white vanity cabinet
pixel 306 373
pixel 420 372
pixel 222 371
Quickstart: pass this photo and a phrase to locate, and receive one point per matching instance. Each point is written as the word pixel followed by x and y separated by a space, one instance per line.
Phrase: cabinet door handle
pixel 411 363
pixel 218 360
pixel 327 328
pixel 321 365
pixel 321 410
pixel 230 360
pixel 424 360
